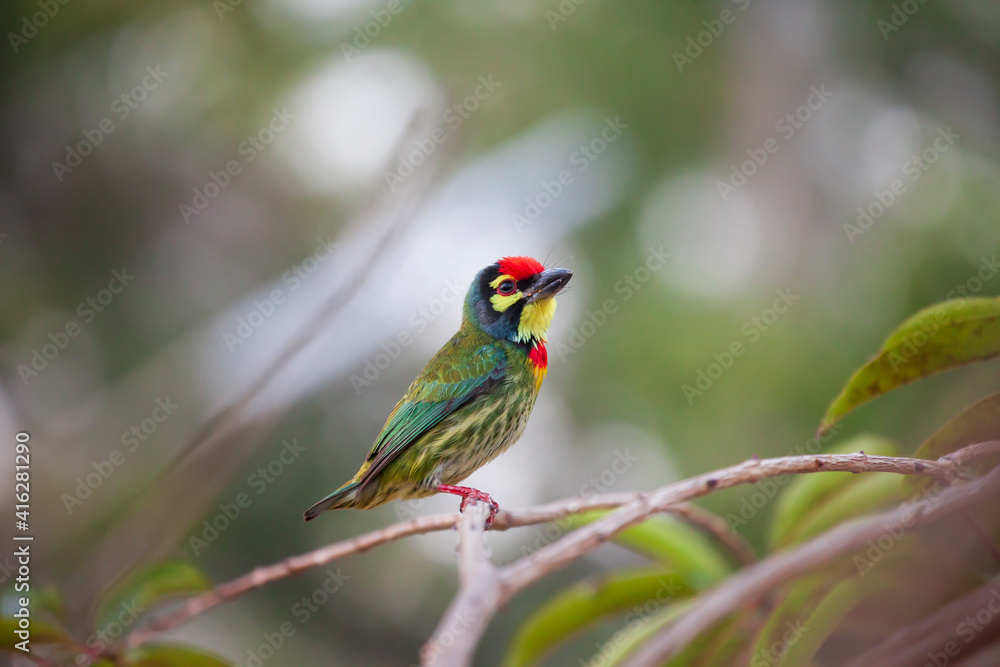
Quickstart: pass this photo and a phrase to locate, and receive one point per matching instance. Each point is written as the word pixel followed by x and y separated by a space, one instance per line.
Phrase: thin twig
pixel 981 533
pixel 557 555
pixel 912 644
pixel 264 575
pixel 634 508
pixel 719 530
pixel 962 458
pixel 226 423
pixel 758 580
pixel 972 453
pixel 524 572
pixel 748 472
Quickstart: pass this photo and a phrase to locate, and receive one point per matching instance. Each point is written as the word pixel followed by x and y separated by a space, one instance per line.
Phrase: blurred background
pixel 256 220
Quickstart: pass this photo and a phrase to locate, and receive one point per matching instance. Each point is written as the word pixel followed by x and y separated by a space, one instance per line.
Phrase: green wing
pixel 450 380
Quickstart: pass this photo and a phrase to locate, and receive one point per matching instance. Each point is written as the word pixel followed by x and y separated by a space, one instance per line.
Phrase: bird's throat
pixel 535 320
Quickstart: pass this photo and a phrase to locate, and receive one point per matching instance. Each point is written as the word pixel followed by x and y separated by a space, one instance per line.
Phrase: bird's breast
pixel 538 362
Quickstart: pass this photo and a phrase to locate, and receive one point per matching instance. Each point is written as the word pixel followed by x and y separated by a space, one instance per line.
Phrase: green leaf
pixel 48 599
pixel 587 602
pixel 856 498
pixel 801 598
pixel 45 599
pixel 703 647
pixel 806 493
pixel 713 644
pixel 979 422
pixel 41 633
pixel 146 586
pixel 824 619
pixel 166 655
pixel 725 648
pixel 638 633
pixel 936 339
pixel 687 550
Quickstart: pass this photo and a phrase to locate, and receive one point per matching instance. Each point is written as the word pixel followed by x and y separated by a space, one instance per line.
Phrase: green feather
pixel 448 382
pixel 468 405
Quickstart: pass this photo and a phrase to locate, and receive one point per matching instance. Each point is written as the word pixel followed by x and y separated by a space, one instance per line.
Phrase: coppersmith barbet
pixel 472 400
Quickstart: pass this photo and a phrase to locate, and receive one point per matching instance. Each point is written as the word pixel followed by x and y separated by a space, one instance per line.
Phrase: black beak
pixel 548 283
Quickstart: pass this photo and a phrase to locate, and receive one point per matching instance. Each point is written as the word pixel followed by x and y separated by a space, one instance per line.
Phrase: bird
pixel 471 401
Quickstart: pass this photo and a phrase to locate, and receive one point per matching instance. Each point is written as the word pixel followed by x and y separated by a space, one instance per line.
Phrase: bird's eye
pixel 507 288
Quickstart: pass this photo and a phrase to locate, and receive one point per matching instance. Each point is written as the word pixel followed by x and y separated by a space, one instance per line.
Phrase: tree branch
pixel 264 575
pixel 471 612
pixel 981 533
pixel 557 555
pixel 912 644
pixel 454 641
pixel 757 581
pixel 972 453
pixel 635 507
pixel 719 530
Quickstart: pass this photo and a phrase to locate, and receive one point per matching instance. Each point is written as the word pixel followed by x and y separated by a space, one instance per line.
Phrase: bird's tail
pixel 339 499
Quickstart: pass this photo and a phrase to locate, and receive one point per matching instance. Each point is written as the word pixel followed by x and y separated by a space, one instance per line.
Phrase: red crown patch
pixel 520 268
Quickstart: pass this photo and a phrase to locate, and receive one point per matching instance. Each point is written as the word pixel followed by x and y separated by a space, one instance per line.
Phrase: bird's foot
pixel 468 493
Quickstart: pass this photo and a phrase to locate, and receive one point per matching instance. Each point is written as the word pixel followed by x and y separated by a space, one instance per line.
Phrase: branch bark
pixel 635 507
pixel 264 575
pixel 476 604
pixel 755 582
pixel 912 644
pixel 718 529
pixel 557 555
pixel 454 642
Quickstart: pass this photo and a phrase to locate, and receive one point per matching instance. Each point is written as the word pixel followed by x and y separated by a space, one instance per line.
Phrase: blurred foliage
pixel 810 499
pixel 979 422
pixel 897 80
pixel 936 339
pixel 807 615
pixel 814 608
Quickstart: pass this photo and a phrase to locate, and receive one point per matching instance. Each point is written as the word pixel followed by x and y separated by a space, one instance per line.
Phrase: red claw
pixel 468 493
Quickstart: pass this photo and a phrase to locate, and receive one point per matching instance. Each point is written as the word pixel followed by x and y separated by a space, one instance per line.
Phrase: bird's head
pixel 514 299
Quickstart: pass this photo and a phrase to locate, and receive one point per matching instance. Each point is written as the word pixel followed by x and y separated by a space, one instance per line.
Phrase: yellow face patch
pixel 501 302
pixel 499 279
pixel 535 319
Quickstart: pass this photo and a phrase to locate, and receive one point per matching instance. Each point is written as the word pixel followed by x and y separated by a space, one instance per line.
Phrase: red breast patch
pixel 539 355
